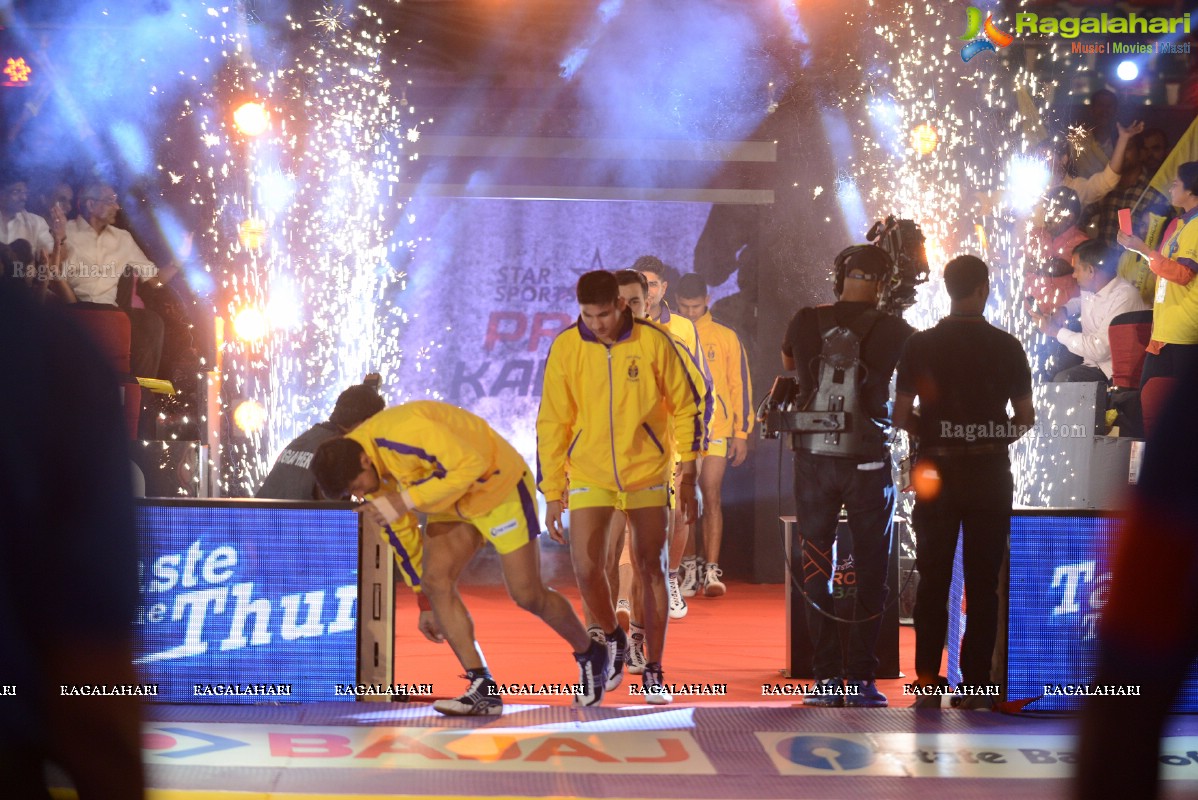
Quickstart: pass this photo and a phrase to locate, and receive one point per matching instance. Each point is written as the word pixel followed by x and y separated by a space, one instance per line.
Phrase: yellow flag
pixel 1131 266
pixel 1186 150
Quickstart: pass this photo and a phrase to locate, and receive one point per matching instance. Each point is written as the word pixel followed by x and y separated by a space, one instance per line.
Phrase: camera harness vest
pixel 842 376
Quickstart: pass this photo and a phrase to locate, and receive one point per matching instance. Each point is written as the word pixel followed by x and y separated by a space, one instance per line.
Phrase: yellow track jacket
pixel 685 334
pixel 729 377
pixel 442 459
pixel 605 410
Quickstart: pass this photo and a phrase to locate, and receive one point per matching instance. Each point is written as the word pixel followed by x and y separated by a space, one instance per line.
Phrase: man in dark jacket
pixel 291 477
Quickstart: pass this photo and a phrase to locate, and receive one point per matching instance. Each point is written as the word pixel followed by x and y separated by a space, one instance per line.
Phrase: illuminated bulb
pixel 249 325
pixel 249 417
pixel 251 119
pixel 252 233
pixel 1127 71
pixel 924 139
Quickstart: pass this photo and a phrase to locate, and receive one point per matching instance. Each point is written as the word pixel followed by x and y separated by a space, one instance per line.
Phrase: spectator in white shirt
pixel 1104 296
pixel 17 223
pixel 97 254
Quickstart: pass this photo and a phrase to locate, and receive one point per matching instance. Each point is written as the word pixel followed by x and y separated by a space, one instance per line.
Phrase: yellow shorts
pixel 511 524
pixel 584 496
pixel 716 447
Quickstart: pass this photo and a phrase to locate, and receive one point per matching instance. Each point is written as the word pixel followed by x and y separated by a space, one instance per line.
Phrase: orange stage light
pixel 251 118
pixel 924 139
pixel 249 325
pixel 249 417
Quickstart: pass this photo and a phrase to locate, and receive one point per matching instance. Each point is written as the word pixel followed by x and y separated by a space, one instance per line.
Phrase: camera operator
pixel 964 371
pixel 850 469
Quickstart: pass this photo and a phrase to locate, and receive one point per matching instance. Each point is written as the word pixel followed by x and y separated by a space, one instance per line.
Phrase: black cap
pixel 356 405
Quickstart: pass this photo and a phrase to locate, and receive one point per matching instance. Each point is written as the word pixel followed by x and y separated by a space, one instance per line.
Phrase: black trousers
pixel 1081 374
pixel 823 484
pixel 974 499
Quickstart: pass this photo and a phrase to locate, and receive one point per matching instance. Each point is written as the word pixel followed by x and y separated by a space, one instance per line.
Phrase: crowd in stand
pixel 67 247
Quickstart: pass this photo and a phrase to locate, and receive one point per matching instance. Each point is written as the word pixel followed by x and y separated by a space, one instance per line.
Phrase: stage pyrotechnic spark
pixel 320 182
pixel 986 115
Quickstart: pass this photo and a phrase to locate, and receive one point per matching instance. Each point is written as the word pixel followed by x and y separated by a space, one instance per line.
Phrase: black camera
pixel 903 241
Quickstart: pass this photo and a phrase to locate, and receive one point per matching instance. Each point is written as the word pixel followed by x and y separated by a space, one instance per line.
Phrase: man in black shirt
pixel 291 477
pixel 849 470
pixel 964 372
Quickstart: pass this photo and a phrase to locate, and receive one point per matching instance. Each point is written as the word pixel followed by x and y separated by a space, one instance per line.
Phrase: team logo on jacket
pixel 711 352
pixel 634 372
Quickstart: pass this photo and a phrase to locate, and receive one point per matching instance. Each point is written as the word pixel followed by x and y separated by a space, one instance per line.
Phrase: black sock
pixel 481 672
pixel 619 635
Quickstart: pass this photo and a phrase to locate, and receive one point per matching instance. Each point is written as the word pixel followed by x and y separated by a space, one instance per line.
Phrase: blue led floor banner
pixel 247 602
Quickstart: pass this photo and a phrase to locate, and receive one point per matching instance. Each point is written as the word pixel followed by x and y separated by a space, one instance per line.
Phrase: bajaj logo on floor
pixel 991 37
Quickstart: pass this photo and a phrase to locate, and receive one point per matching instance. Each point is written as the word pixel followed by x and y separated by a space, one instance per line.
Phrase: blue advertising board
pixel 247 601
pixel 1059 582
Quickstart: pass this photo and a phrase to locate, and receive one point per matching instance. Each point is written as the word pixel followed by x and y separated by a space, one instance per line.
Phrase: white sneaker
pixel 636 652
pixel 623 614
pixel 688 577
pixel 481 699
pixel 677 601
pixel 653 682
pixel 712 585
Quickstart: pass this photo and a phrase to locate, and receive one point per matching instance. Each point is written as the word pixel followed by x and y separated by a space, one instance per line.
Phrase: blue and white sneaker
pixel 481 699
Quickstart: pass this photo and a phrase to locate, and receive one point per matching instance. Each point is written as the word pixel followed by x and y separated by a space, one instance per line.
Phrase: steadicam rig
pixel 903 241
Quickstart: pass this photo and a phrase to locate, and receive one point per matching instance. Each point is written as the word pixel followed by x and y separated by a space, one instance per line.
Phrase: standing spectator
pixel 1173 348
pixel 964 372
pixel 1156 150
pixel 1102 218
pixel 1063 169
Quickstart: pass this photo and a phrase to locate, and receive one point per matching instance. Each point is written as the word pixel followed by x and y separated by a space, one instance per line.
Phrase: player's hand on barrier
pixel 384 509
pixel 553 521
pixel 427 624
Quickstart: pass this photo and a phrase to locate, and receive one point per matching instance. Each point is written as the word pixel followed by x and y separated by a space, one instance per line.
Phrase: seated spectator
pixel 1104 295
pixel 291 478
pixel 18 223
pixel 44 280
pixel 1051 285
pixel 97 254
pixel 53 194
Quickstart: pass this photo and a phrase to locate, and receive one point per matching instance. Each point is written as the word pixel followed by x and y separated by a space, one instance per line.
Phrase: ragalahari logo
pixel 992 38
